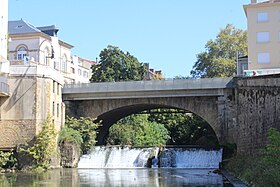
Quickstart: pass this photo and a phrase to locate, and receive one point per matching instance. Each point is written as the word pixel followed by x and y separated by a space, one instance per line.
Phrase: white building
pixel 4 64
pixel 81 69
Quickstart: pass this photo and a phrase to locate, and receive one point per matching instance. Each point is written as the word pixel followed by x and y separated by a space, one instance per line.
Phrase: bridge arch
pixel 110 111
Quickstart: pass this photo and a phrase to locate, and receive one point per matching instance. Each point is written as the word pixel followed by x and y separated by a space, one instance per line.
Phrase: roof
pixel 21 27
pixel 46 28
pixel 270 1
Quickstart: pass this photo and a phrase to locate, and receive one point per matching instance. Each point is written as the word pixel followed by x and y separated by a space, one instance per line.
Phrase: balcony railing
pixel 18 68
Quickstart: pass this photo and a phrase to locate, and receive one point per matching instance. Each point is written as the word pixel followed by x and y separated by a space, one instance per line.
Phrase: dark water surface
pixel 168 177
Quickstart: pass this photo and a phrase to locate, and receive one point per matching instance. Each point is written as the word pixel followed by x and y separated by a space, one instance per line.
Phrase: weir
pixel 126 157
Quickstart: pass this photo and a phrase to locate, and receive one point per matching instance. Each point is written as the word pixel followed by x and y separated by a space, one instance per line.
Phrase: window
pixel 262 17
pixel 79 72
pixel 263 58
pixel 64 61
pixel 262 37
pixel 53 86
pixel 53 109
pixel 21 53
pixel 85 74
pixel 46 56
pixel 72 70
pixel 57 89
pixel 57 110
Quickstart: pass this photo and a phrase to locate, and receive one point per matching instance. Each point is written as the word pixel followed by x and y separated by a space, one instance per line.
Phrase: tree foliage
pixel 7 159
pixel 185 128
pixel 116 65
pixel 45 145
pixel 218 59
pixel 136 130
pixel 86 127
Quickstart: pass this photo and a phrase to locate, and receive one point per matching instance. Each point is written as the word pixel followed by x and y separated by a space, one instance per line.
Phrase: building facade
pixel 263 22
pixel 80 69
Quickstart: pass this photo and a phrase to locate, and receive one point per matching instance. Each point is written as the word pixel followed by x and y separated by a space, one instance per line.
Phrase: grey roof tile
pixel 21 27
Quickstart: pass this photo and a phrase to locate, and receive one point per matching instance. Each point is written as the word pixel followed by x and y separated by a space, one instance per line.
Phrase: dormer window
pixel 21 53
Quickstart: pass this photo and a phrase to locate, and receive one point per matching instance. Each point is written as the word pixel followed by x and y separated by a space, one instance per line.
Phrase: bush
pixel 263 168
pixel 7 159
pixel 70 135
pixel 45 144
pixel 86 127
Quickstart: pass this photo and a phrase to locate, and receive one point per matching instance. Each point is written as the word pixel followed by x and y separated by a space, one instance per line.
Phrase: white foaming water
pixel 117 157
pixel 191 158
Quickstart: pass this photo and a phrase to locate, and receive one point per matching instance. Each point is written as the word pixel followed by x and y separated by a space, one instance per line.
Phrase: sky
pixel 167 34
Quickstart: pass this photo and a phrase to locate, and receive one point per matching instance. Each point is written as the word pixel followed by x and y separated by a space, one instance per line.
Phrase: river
pixel 115 177
pixel 125 166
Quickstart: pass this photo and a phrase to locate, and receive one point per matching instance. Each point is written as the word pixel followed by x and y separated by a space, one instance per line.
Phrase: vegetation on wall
pixel 261 169
pixel 7 159
pixel 80 131
pixel 45 146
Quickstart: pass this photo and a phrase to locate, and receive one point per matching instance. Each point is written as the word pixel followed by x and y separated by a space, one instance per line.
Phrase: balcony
pixel 20 68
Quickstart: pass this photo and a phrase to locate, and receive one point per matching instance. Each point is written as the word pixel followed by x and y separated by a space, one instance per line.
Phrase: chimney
pixel 253 1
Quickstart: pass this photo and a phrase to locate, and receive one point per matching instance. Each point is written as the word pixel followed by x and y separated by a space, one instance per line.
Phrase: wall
pixel 29 104
pixel 4 27
pixel 257 106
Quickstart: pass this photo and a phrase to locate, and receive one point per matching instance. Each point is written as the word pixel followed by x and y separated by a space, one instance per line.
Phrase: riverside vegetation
pixel 261 169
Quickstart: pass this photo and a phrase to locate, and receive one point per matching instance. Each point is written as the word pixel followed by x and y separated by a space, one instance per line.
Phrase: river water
pixel 124 166
pixel 149 177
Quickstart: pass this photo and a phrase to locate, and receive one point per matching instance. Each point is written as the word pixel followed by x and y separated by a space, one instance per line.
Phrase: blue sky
pixel 165 33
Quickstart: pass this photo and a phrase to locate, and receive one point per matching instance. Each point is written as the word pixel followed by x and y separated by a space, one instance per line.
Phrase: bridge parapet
pixel 147 89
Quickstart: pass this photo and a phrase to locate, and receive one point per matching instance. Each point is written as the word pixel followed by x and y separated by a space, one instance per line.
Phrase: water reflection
pixel 114 177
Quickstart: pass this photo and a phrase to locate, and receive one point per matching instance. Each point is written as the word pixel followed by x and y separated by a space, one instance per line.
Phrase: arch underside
pixel 110 111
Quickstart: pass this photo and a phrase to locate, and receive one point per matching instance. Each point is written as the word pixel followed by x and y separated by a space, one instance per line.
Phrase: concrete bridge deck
pixel 147 89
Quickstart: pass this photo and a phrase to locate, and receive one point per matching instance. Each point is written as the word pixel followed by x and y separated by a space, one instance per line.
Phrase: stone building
pixel 39 67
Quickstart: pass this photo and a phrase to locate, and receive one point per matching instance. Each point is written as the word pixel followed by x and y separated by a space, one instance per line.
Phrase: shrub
pixel 7 159
pixel 70 135
pixel 45 145
pixel 86 128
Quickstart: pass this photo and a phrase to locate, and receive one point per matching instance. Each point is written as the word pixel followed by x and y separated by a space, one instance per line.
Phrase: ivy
pixel 45 144
pixel 7 159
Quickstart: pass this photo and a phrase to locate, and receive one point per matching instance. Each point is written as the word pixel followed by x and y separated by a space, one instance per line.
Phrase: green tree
pixel 218 60
pixel 137 130
pixel 86 127
pixel 116 65
pixel 184 128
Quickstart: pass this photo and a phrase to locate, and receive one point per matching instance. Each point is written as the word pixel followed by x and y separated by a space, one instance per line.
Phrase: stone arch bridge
pixel 238 109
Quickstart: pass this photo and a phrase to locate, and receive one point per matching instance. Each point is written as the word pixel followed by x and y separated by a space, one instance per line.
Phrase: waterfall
pixel 116 157
pixel 190 158
pixel 125 157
